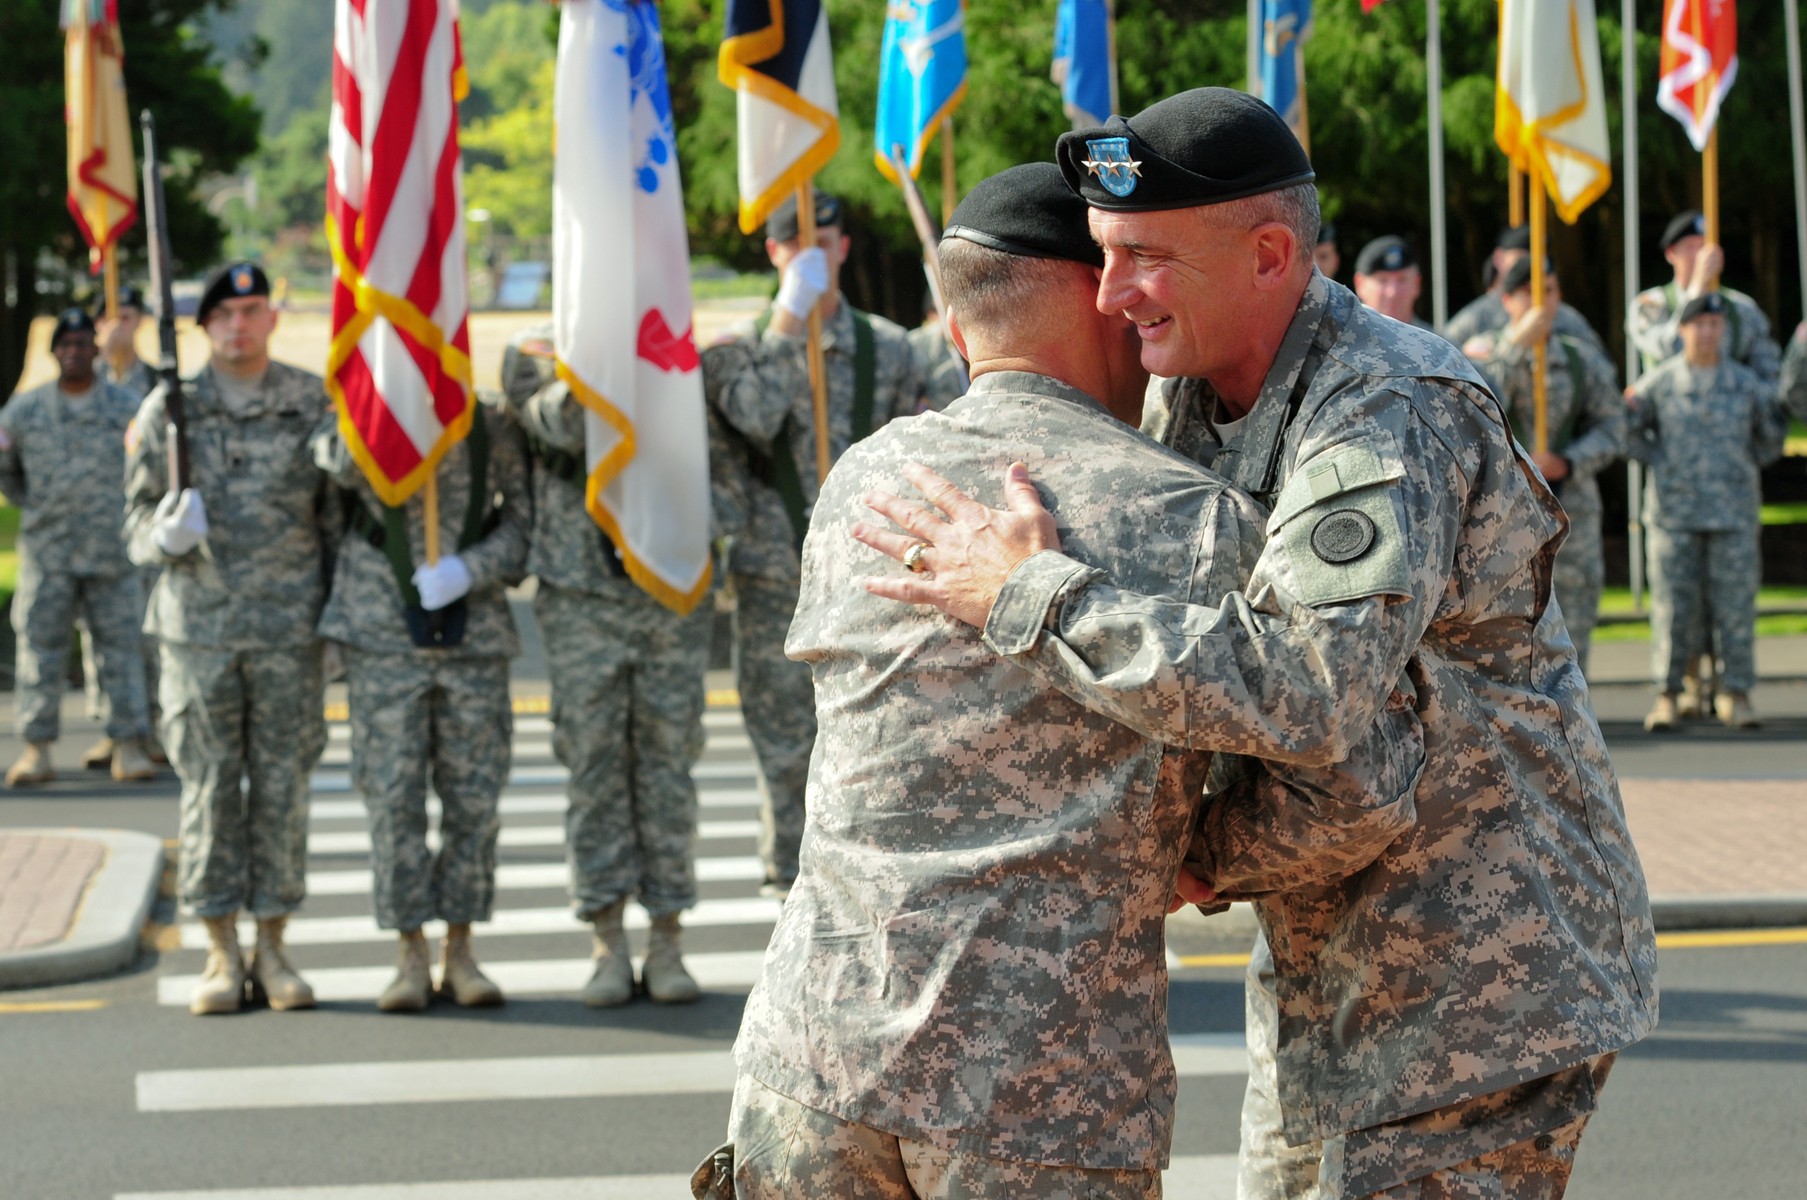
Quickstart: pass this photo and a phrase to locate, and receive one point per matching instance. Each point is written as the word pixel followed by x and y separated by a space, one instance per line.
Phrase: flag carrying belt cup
pixel 1117 172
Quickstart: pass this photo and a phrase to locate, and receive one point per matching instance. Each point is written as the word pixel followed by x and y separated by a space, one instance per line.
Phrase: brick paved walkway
pixel 1700 837
pixel 42 881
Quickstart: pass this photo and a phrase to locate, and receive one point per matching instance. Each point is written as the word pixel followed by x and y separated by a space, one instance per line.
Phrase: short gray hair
pixel 992 290
pixel 1295 207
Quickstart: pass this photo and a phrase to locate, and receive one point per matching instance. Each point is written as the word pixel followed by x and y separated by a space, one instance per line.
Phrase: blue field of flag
pixel 921 78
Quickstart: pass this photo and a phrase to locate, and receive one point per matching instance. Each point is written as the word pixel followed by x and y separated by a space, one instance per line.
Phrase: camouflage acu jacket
pixel 1485 314
pixel 140 379
pixel 64 469
pixel 1706 433
pixel 757 386
pixel 1654 327
pixel 365 608
pixel 1590 439
pixel 260 577
pixel 1507 934
pixel 973 952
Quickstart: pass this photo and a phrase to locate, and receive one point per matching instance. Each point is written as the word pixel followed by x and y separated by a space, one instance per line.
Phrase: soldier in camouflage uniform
pixel 1585 420
pixel 757 385
pixel 1791 388
pixel 426 650
pixel 61 459
pixel 1409 1032
pixel 243 551
pixel 1486 314
pixel 1706 426
pixel 627 701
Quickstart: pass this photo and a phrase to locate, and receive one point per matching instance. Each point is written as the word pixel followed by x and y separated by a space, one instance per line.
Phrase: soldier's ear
pixel 956 336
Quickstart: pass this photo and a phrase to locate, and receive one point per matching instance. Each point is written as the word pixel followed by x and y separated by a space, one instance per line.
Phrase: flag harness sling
pixel 785 477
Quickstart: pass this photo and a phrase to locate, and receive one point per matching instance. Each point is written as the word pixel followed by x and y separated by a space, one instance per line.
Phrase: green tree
pixel 203 128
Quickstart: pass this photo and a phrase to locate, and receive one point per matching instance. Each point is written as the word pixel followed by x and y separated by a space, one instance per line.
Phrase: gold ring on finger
pixel 912 559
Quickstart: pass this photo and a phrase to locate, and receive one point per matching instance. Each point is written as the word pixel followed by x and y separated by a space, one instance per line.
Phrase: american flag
pixel 399 367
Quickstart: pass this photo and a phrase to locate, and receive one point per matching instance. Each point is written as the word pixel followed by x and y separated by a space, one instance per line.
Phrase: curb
pixel 105 935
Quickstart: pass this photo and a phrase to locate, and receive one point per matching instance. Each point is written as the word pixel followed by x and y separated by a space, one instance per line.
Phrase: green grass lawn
pixel 9 557
pixel 1616 601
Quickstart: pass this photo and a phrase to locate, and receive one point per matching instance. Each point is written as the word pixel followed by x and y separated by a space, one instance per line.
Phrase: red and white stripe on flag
pixel 621 304
pixel 1699 61
pixel 399 366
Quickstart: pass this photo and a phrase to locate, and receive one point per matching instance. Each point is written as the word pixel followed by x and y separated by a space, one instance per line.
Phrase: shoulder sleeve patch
pixel 1338 519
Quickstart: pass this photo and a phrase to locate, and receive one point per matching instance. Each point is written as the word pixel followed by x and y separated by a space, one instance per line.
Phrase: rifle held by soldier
pixel 163 296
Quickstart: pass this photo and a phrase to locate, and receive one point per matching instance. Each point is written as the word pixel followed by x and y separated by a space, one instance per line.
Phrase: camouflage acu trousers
pixel 45 608
pixel 1517 1143
pixel 627 719
pixel 415 716
pixel 243 729
pixel 778 700
pixel 99 707
pixel 1579 576
pixel 1720 569
pixel 783 1150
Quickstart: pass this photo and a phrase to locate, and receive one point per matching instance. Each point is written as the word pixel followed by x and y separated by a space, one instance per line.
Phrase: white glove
pixel 805 281
pixel 442 583
pixel 180 522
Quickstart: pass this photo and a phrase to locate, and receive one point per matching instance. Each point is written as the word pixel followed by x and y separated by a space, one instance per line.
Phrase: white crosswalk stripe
pixel 357 841
pixel 337 782
pixel 550 804
pixel 518 877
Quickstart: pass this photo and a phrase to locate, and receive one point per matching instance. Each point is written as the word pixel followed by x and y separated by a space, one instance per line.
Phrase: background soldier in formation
pixel 758 389
pixel 426 650
pixel 1388 281
pixel 627 679
pixel 243 551
pixel 1487 314
pixel 61 457
pixel 1706 425
pixel 1791 388
pixel 1585 416
pixel 118 337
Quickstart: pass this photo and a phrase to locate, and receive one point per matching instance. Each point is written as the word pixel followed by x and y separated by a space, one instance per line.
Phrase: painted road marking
pixel 357 841
pixel 521 877
pixel 51 1006
pixel 541 805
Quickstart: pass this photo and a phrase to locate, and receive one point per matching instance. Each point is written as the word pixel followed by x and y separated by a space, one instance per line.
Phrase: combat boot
pixel 99 756
pixel 222 986
pixel 663 974
pixel 1734 710
pixel 272 976
pixel 459 976
pixel 612 982
pixel 130 765
pixel 1687 704
pixel 1661 717
pixel 32 768
pixel 412 986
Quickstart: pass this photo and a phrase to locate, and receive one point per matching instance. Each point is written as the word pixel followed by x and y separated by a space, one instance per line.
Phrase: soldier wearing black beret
pixel 1404 1029
pixel 1387 279
pixel 1484 315
pixel 1325 254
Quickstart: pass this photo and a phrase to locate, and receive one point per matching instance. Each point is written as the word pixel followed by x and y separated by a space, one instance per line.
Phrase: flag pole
pixel 818 373
pixel 430 498
pixel 1540 437
pixel 110 267
pixel 1628 121
pixel 1433 63
pixel 1515 196
pixel 1793 17
pixel 1709 193
pixel 950 190
pixel 1254 48
pixel 1110 33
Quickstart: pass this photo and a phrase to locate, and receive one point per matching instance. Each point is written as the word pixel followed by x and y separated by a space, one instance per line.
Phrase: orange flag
pixel 1699 62
pixel 103 184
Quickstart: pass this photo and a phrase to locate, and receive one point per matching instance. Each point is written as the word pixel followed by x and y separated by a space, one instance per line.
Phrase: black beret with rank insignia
pixel 1029 211
pixel 1708 304
pixel 1205 146
pixel 231 282
pixel 1387 253
pixel 1681 225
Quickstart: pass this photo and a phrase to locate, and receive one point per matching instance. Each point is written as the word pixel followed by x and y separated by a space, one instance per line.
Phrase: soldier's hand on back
pixel 180 523
pixel 442 583
pixel 804 282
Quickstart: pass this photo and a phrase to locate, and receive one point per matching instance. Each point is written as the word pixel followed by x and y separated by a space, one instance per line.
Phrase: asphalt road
pixel 111 1089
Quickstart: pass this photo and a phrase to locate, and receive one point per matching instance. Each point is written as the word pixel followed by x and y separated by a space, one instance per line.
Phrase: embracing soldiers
pixel 763 463
pixel 243 551
pixel 61 458
pixel 1409 1032
pixel 627 701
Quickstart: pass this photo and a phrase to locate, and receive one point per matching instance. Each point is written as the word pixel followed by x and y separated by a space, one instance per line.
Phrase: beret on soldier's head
pixel 1681 225
pixel 1029 211
pixel 1205 146
pixel 781 226
pixel 1709 304
pixel 1520 274
pixel 130 296
pixel 231 282
pixel 1326 233
pixel 70 320
pixel 1518 237
pixel 1385 254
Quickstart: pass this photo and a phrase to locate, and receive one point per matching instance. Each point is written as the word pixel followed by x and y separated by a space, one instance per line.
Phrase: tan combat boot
pixel 459 976
pixel 412 986
pixel 130 765
pixel 32 768
pixel 99 756
pixel 1661 717
pixel 272 976
pixel 1734 710
pixel 222 986
pixel 612 982
pixel 663 973
pixel 1687 704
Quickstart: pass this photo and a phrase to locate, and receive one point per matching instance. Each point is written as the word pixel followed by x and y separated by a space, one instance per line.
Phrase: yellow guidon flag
pixel 103 184
pixel 1549 112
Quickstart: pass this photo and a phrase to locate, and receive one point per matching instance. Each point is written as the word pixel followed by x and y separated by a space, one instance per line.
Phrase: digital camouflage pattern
pixel 1706 434
pixel 260 577
pixel 792 1150
pixel 61 467
pixel 421 715
pixel 1791 389
pixel 757 390
pixel 987 865
pixel 140 379
pixel 942 374
pixel 1654 327
pixel 1590 442
pixel 1403 987
pixel 1486 314
pixel 627 687
pixel 243 729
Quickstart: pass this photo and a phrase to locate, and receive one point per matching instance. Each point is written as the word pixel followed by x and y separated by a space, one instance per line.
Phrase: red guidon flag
pixel 399 368
pixel 1700 60
pixel 103 186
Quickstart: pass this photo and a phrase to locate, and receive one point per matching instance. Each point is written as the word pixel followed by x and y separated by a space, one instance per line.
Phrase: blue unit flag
pixel 1285 26
pixel 921 77
pixel 1083 50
